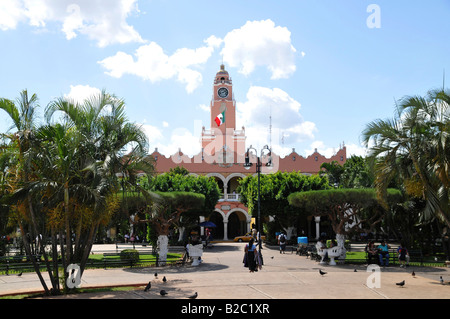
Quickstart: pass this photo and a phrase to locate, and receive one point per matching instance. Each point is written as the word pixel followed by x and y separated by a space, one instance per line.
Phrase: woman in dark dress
pixel 251 255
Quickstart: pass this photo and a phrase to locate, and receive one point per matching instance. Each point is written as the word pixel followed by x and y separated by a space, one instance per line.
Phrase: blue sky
pixel 321 70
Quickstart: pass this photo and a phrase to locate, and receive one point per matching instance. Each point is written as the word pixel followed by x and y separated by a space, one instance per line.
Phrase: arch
pixel 229 177
pixel 248 218
pixel 218 175
pixel 238 223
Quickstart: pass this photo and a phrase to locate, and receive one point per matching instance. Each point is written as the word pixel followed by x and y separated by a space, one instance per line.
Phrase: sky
pixel 307 74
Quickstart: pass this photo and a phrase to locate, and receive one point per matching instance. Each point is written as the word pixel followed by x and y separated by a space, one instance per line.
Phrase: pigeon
pixel 413 274
pixel 401 284
pixel 355 270
pixel 163 292
pixel 156 275
pixel 164 279
pixel 271 257
pixel 19 274
pixel 193 296
pixel 149 285
pixel 322 272
pixel 441 280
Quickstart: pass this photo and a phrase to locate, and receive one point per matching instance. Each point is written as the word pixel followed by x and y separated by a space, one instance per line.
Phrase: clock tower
pixel 223 140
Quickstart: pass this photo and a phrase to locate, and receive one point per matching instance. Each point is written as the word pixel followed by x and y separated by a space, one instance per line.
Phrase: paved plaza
pixel 221 275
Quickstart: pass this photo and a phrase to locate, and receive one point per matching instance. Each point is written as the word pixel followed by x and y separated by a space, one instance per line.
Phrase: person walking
pixel 251 256
pixel 282 242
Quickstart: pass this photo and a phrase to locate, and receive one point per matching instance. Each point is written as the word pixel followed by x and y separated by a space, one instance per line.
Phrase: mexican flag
pixel 220 119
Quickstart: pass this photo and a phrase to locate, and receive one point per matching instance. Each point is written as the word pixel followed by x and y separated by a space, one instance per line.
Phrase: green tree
pixel 164 210
pixel 414 147
pixel 72 188
pixel 348 209
pixel 333 171
pixel 274 191
pixel 357 173
pixel 22 113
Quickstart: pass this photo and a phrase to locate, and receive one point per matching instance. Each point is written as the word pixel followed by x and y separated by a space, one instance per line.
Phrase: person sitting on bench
pixel 383 250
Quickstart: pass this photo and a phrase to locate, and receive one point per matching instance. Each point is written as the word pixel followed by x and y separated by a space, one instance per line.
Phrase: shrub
pixel 129 254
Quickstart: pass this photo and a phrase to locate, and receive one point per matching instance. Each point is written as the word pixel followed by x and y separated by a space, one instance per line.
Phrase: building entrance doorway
pixel 217 232
pixel 237 224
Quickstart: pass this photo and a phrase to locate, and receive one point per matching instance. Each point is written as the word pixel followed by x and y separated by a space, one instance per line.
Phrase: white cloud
pixel 265 107
pixel 103 21
pixel 204 107
pixel 354 149
pixel 153 133
pixel 260 43
pixel 11 13
pixel 150 62
pixel 79 93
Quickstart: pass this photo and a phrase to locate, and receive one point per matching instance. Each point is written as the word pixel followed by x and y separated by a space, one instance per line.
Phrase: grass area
pixel 145 259
pixel 360 256
pixel 95 261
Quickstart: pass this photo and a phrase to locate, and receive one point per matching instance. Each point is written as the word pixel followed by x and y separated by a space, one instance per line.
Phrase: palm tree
pixel 101 137
pixel 22 114
pixel 415 146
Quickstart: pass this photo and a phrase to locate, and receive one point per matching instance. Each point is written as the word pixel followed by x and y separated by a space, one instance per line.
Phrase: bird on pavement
pixel 413 274
pixel 163 292
pixel 322 272
pixel 441 280
pixel 401 284
pixel 156 275
pixel 149 285
pixel 193 296
pixel 355 270
pixel 19 274
pixel 164 279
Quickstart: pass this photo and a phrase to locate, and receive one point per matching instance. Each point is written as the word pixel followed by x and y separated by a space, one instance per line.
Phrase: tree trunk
pixel 163 248
pixel 340 238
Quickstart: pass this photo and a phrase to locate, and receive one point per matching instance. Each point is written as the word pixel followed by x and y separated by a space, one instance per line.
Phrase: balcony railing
pixel 230 197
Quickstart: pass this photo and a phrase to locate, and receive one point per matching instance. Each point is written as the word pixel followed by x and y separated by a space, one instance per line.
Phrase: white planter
pixel 195 252
pixel 447 262
pixel 334 252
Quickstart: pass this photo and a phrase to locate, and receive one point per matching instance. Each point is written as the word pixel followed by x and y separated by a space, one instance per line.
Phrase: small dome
pixel 222 70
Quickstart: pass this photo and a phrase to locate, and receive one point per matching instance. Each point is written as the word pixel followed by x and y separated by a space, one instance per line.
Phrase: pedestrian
pixel 282 242
pixel 403 255
pixel 251 256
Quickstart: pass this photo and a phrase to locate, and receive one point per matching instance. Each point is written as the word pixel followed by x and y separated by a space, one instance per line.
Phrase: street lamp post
pixel 247 165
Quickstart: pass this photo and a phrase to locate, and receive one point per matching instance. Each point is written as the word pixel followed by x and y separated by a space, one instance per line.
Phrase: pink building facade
pixel 223 157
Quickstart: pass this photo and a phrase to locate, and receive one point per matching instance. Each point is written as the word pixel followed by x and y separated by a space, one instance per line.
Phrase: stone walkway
pixel 221 275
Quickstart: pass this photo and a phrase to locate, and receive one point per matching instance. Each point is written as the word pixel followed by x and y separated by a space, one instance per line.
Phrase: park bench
pixel 18 263
pixel 114 260
pixel 415 255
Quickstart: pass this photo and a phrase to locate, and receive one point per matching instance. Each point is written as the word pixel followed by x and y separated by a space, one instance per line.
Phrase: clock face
pixel 222 92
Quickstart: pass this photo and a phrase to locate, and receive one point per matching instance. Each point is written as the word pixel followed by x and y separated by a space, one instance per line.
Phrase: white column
pixel 317 220
pixel 202 229
pixel 225 230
